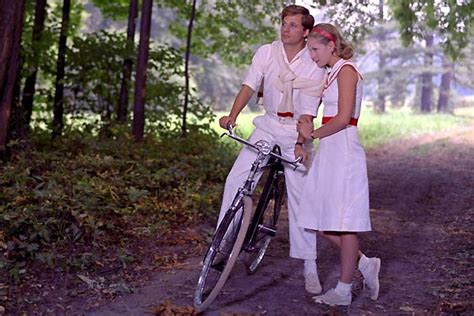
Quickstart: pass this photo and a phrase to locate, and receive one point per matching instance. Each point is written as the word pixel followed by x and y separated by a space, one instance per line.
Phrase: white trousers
pixel 283 133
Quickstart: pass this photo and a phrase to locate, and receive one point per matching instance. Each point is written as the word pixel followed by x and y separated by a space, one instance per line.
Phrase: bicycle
pixel 242 228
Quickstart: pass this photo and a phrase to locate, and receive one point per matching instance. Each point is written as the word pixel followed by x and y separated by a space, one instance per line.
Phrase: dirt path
pixel 422 208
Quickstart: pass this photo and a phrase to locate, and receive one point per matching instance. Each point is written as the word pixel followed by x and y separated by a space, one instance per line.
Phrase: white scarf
pixel 287 81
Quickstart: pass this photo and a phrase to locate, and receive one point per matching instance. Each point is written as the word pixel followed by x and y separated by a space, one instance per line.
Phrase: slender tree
pixel 30 82
pixel 445 85
pixel 142 63
pixel 186 66
pixel 17 128
pixel 427 76
pixel 11 25
pixel 58 107
pixel 127 64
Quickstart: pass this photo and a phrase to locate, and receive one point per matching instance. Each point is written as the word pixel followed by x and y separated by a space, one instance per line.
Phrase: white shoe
pixel 370 268
pixel 312 284
pixel 332 298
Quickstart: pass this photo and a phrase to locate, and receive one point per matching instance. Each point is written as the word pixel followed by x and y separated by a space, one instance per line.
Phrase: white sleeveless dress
pixel 335 196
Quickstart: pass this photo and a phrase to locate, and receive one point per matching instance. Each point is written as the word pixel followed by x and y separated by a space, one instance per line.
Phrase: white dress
pixel 335 196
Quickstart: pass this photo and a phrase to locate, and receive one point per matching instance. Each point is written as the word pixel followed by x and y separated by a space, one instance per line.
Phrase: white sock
pixel 310 266
pixel 343 289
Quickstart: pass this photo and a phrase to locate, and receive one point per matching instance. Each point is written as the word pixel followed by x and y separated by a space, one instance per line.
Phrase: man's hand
pixel 305 128
pixel 300 152
pixel 225 121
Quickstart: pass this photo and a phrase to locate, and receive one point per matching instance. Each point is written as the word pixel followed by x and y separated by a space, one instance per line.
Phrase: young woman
pixel 335 198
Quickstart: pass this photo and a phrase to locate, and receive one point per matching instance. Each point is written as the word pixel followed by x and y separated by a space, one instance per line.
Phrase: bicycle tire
pixel 265 219
pixel 203 296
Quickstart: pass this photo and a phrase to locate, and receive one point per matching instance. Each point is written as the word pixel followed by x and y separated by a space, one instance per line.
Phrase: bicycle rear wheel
pixel 222 253
pixel 263 225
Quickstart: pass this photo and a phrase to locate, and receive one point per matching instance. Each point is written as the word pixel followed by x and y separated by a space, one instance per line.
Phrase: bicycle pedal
pixel 270 231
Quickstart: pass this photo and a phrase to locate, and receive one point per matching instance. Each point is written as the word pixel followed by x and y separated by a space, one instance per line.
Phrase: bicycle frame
pixel 264 150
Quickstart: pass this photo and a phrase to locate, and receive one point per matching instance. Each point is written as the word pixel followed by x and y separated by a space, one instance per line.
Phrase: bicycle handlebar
pixel 230 133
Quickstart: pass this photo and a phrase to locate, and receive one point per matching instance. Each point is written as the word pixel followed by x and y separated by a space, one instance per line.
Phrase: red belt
pixel 285 114
pixel 353 121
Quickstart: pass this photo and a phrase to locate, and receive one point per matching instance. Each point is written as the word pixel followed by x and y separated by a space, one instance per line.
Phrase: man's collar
pixel 297 56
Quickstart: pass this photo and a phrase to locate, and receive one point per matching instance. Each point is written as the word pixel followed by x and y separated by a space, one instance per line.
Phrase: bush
pixel 88 191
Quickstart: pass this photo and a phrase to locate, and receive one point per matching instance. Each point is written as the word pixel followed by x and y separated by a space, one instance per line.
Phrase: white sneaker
pixel 312 284
pixel 332 298
pixel 370 268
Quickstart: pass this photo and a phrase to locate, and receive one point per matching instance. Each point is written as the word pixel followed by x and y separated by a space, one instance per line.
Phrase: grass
pixel 376 129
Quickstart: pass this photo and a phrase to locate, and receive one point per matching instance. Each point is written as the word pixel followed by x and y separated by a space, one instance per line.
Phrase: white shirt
pixel 265 66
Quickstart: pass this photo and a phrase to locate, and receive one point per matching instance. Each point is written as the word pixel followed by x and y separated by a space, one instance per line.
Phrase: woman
pixel 335 199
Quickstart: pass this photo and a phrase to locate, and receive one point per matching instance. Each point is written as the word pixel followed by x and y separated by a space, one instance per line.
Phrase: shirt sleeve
pixel 310 104
pixel 256 69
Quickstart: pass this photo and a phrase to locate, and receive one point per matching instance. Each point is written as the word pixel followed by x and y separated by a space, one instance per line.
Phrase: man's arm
pixel 241 100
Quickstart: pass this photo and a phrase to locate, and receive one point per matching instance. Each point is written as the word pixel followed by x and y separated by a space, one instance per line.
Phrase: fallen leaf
pixel 407 309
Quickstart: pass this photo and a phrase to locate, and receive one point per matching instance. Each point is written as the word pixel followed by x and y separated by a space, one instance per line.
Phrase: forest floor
pixel 422 211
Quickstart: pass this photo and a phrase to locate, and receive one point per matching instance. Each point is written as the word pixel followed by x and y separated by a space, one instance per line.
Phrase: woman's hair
pixel 325 33
pixel 307 20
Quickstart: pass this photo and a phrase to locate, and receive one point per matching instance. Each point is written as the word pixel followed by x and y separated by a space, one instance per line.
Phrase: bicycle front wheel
pixel 222 253
pixel 264 223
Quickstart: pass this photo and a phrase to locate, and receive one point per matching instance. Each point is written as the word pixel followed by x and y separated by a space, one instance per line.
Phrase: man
pixel 292 89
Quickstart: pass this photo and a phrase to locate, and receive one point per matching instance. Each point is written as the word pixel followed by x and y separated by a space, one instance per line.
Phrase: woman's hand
pixel 305 128
pixel 300 152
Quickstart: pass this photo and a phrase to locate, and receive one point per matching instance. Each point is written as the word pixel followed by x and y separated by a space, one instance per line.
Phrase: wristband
pixel 299 143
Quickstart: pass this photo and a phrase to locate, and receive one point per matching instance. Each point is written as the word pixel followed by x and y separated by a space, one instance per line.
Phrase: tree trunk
pixel 58 107
pixel 186 67
pixel 30 82
pixel 11 25
pixel 127 64
pixel 380 105
pixel 17 128
pixel 445 86
pixel 427 77
pixel 142 63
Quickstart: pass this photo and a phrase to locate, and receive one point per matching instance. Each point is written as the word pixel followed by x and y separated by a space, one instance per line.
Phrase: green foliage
pixel 116 10
pixel 93 76
pixel 43 54
pixel 353 18
pixel 90 193
pixel 230 29
pixel 451 20
pixel 93 72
